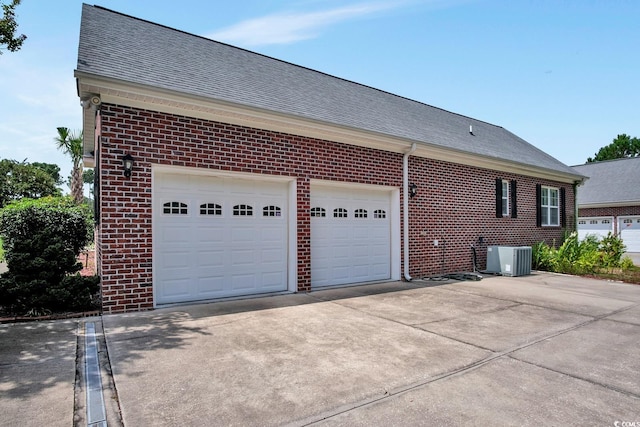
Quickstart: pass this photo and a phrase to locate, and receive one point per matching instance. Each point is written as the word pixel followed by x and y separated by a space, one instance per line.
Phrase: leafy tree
pixel 87 178
pixel 8 27
pixel 51 169
pixel 623 146
pixel 71 143
pixel 19 180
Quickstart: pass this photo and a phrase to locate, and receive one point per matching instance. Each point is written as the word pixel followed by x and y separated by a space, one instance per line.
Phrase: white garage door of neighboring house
pixel 599 227
pixel 630 232
pixel 350 235
pixel 218 237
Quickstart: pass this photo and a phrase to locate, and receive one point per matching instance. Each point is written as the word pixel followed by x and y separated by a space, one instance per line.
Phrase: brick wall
pixel 455 204
pixel 614 212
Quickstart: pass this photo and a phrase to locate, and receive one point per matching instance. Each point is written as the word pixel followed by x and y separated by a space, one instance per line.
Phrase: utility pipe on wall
pixel 405 208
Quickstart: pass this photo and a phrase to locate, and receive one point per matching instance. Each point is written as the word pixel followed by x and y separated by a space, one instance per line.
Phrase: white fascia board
pixel 617 204
pixel 156 99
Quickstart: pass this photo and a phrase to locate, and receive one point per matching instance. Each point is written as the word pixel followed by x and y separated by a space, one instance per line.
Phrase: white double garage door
pixel 628 227
pixel 234 235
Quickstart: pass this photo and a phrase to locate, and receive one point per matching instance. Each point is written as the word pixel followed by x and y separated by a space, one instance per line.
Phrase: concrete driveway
pixel 539 350
pixel 544 349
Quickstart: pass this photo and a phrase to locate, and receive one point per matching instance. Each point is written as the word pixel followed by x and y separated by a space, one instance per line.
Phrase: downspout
pixel 405 208
pixel 575 205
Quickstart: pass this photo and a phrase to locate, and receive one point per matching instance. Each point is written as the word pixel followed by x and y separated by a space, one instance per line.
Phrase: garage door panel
pixel 243 281
pixel 597 226
pixel 271 280
pixel 176 234
pixel 242 233
pixel 176 289
pixel 272 256
pixel 630 233
pixel 269 233
pixel 211 285
pixel 345 250
pixel 242 258
pixel 211 253
pixel 208 234
pixel 179 259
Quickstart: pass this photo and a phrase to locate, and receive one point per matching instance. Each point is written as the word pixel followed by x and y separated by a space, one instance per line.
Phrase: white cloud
pixel 289 27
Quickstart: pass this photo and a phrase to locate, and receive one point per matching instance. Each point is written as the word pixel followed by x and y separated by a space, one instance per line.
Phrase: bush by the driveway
pixel 42 240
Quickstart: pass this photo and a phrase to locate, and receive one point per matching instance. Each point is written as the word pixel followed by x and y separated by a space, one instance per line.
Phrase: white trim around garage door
pixel 357 245
pixel 192 184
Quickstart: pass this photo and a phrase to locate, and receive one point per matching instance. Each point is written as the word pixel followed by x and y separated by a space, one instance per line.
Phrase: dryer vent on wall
pixel 509 260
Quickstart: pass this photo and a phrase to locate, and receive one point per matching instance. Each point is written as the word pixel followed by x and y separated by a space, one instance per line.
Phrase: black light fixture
pixel 127 164
pixel 413 190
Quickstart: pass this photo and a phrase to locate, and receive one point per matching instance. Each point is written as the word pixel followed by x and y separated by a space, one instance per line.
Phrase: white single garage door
pixel 599 226
pixel 217 237
pixel 350 235
pixel 630 232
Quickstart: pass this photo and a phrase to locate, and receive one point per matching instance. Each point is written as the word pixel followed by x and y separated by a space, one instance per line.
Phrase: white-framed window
pixel 360 213
pixel 340 213
pixel 174 208
pixel 271 211
pixel 212 209
pixel 242 210
pixel 549 206
pixel 379 214
pixel 505 197
pixel 318 212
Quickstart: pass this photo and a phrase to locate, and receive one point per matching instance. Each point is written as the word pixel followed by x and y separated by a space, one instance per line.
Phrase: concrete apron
pixel 543 349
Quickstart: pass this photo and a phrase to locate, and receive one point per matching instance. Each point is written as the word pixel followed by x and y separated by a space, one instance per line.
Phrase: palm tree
pixel 71 143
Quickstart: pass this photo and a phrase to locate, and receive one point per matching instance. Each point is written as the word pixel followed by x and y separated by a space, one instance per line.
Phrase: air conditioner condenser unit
pixel 509 260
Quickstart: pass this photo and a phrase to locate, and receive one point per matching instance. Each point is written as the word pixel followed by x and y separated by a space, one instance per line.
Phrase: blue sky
pixel 562 74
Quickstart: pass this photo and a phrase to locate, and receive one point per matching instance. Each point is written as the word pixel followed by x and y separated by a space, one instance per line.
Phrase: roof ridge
pixel 606 161
pixel 296 65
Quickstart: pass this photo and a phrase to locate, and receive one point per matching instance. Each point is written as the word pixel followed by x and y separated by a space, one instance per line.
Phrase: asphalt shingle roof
pixel 612 181
pixel 129 49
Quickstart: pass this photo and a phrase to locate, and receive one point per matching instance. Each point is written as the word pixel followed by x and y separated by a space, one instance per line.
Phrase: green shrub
pixel 626 263
pixel 42 240
pixel 574 256
pixel 612 249
pixel 543 257
pixel 1 251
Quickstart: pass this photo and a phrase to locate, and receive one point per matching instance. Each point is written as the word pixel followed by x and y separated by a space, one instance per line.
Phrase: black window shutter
pixel 514 205
pixel 563 208
pixel 538 205
pixel 498 198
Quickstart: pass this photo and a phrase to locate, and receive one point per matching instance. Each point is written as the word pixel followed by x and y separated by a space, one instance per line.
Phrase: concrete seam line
pixel 96 413
pixel 542 306
pixel 456 372
pixel 590 381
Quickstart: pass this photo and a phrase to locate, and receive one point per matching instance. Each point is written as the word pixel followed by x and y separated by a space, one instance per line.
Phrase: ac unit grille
pixel 509 260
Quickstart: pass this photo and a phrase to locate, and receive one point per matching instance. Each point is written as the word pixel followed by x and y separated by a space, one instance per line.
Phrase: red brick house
pixel 609 201
pixel 253 176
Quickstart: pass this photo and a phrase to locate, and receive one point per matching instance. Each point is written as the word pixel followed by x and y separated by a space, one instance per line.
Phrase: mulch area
pixel 88 260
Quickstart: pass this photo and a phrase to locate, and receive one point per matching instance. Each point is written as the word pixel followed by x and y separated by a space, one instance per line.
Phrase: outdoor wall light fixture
pixel 127 164
pixel 413 190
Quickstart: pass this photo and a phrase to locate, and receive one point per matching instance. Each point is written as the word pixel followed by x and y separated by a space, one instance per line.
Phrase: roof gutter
pixel 405 208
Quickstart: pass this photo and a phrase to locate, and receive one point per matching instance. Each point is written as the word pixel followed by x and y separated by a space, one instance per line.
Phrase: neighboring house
pixel 252 175
pixel 609 201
